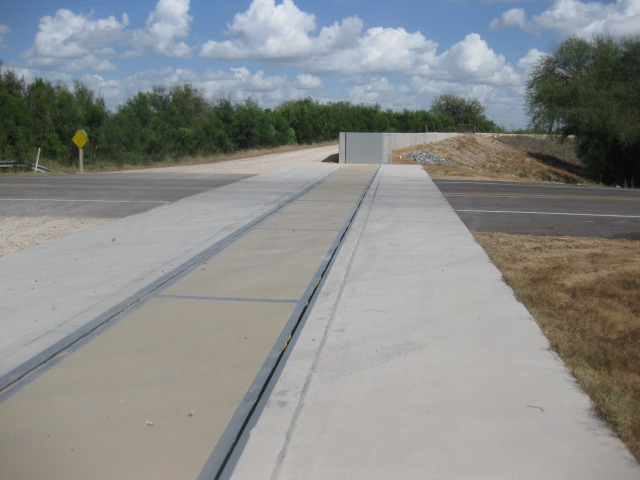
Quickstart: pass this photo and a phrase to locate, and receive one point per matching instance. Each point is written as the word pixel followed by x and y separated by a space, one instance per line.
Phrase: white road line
pixel 551 213
pixel 76 200
pixel 530 185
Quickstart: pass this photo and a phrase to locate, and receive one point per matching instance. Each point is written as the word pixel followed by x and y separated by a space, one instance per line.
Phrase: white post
pixel 37 160
pixel 80 154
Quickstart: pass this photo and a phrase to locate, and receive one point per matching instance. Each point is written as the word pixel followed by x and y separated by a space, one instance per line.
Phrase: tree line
pixel 178 121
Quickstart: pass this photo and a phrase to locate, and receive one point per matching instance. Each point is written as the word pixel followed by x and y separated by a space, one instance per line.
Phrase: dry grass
pixel 547 149
pixel 585 295
pixel 482 157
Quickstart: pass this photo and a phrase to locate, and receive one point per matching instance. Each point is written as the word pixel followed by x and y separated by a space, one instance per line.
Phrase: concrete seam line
pixel 218 463
pixel 323 341
pixel 228 299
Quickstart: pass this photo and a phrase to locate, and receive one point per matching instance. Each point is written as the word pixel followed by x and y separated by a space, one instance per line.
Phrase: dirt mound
pixel 481 157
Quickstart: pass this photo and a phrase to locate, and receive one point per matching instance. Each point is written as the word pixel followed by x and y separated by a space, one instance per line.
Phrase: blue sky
pixel 399 53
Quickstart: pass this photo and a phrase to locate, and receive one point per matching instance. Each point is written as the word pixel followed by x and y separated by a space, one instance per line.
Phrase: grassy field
pixel 583 292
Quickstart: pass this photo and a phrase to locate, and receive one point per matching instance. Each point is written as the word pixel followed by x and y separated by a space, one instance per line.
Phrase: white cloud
pixel 573 17
pixel 4 30
pixel 165 27
pixel 378 89
pixel 472 61
pixel 75 42
pixel 72 42
pixel 532 56
pixel 504 104
pixel 307 81
pixel 516 17
pixel 283 33
pixel 265 30
pixel 378 50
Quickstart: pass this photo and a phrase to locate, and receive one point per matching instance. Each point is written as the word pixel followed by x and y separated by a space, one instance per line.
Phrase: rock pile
pixel 429 158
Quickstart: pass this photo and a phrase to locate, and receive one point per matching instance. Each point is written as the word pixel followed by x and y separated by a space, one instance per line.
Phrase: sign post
pixel 35 169
pixel 80 139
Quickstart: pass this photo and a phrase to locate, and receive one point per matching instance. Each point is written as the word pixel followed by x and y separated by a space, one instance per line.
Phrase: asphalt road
pixel 545 209
pixel 110 195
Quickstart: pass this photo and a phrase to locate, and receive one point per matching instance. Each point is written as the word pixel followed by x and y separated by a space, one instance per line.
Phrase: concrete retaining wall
pixel 358 147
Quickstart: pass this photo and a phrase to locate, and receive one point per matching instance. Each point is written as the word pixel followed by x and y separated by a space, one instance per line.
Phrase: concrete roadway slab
pixel 417 362
pixel 183 365
pixel 49 291
pixel 152 394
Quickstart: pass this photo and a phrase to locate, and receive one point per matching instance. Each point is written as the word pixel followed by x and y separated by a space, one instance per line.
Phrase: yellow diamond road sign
pixel 80 138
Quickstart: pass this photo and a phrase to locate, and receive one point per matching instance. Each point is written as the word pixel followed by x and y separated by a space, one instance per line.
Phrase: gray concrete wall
pixel 358 147
pixel 404 140
pixel 363 148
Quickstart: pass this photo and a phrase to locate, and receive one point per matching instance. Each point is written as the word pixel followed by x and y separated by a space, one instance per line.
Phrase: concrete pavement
pixel 417 362
pixel 50 291
pixel 161 389
pixel 414 360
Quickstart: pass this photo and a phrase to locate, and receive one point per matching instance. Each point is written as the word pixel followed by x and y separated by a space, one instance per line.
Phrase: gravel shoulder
pixel 18 232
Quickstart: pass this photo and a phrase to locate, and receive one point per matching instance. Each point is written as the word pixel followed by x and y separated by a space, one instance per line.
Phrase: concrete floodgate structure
pixel 410 358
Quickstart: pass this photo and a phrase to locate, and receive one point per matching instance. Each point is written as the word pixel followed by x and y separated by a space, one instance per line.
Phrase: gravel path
pixel 28 230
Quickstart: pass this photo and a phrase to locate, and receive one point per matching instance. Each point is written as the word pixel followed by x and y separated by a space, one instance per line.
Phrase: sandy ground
pixel 20 232
pixel 17 233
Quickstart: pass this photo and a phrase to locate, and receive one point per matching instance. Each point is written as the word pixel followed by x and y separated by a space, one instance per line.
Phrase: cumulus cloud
pixel 516 17
pixel 165 27
pixel 75 42
pixel 380 50
pixel 472 61
pixel 282 32
pixel 71 42
pixel 265 30
pixel 307 81
pixel 573 17
pixel 380 90
pixel 532 56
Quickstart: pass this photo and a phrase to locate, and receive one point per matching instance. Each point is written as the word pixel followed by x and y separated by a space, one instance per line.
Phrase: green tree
pixel 304 117
pixel 16 119
pixel 591 89
pixel 92 117
pixel 460 109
